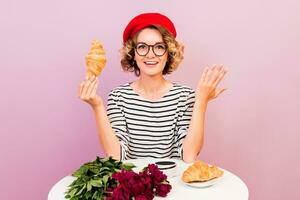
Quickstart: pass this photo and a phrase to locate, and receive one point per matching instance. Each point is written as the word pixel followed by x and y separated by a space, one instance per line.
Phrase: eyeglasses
pixel 159 49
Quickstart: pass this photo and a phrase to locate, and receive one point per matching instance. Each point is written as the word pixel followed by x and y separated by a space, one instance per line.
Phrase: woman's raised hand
pixel 87 92
pixel 207 86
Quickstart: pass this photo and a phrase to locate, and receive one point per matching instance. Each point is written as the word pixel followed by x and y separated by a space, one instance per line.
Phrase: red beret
pixel 146 19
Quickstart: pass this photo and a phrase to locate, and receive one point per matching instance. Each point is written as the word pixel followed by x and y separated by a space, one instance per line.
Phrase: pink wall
pixel 252 129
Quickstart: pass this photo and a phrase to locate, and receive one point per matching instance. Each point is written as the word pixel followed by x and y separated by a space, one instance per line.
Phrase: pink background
pixel 252 129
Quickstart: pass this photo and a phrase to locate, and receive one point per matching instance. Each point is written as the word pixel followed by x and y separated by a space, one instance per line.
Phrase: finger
pixel 209 74
pixel 204 74
pixel 219 77
pixel 220 91
pixel 86 86
pixel 82 93
pixel 215 73
pixel 80 88
pixel 91 85
pixel 214 67
pixel 90 89
pixel 94 90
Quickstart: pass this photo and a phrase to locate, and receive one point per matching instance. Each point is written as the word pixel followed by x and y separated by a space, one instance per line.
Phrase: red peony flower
pixel 141 197
pixel 120 193
pixel 163 189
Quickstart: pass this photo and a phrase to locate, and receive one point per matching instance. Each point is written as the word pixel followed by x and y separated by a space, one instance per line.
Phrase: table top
pixel 229 186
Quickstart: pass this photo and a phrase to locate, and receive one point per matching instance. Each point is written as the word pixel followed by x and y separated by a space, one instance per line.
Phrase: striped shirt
pixel 147 128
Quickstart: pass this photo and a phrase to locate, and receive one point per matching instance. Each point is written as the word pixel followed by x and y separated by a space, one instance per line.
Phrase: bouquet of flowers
pixel 106 178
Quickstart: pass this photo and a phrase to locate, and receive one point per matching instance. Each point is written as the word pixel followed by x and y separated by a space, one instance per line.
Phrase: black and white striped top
pixel 147 128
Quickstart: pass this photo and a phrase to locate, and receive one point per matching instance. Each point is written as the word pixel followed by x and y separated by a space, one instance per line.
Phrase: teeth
pixel 151 62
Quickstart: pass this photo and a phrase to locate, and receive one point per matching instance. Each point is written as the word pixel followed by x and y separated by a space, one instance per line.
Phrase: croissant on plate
pixel 200 171
pixel 95 59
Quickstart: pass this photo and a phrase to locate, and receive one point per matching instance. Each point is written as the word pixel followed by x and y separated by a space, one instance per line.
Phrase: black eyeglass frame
pixel 151 46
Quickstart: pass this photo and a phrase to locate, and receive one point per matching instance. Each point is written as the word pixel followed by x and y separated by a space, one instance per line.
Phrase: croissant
pixel 200 171
pixel 95 59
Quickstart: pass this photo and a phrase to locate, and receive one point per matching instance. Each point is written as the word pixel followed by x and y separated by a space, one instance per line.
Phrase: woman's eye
pixel 142 46
pixel 160 46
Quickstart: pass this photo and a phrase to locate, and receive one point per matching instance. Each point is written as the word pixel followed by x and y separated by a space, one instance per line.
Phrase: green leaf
pixel 89 186
pixel 82 170
pixel 95 170
pixel 81 190
pixel 128 166
pixel 105 169
pixel 88 195
pixel 72 193
pixel 95 195
pixel 105 179
pixel 96 183
pixel 104 159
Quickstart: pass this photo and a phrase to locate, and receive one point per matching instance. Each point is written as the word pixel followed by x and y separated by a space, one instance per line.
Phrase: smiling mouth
pixel 151 63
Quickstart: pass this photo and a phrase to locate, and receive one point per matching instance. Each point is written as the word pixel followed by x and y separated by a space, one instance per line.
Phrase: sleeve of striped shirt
pixel 184 122
pixel 118 123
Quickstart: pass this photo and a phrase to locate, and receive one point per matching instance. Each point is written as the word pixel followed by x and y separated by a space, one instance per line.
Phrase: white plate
pixel 204 184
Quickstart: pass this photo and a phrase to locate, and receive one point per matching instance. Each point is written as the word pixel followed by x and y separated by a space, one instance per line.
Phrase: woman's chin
pixel 152 73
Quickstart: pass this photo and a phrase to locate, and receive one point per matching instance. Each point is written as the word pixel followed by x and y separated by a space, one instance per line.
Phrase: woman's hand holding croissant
pixel 87 92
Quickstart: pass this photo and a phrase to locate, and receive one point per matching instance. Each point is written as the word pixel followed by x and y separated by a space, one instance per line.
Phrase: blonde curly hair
pixel 174 49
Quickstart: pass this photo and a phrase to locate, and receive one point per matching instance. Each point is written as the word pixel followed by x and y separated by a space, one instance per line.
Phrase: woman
pixel 152 117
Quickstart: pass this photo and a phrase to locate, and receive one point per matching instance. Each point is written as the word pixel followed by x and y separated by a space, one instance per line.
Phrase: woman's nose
pixel 150 54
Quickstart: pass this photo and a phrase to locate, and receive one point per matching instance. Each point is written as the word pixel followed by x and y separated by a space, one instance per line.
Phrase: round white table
pixel 229 186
